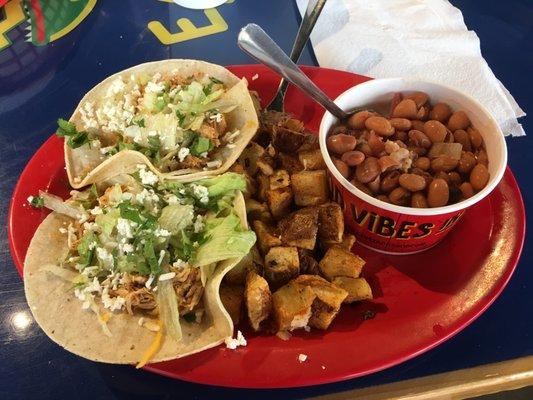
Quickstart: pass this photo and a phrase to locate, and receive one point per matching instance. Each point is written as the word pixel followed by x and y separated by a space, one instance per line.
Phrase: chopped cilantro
pixel 138 122
pixel 151 258
pixel 201 145
pixel 93 190
pixel 86 247
pixel 68 129
pixel 128 211
pixel 181 117
pixel 207 89
pixel 125 146
pixel 214 80
pixel 37 202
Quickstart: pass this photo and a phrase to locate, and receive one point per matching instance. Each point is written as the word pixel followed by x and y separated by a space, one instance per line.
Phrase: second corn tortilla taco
pixel 184 119
pixel 83 287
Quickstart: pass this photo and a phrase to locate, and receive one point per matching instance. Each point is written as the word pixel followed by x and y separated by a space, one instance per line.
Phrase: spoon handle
pixel 256 43
pixel 312 12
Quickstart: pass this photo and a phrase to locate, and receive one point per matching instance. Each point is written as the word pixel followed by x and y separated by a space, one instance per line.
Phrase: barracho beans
pixel 419 155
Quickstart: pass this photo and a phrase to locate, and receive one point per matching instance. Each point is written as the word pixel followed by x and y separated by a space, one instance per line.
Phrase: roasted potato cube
pixel 310 188
pixel 265 164
pixel 279 201
pixel 280 179
pixel 308 263
pixel 330 222
pixel 291 306
pixel 281 265
pixel 263 186
pixel 300 228
pixel 266 237
pixel 250 262
pixel 258 299
pixel 256 210
pixel 290 163
pixel 327 302
pixel 340 262
pixel 232 298
pixel 289 141
pixel 249 157
pixel 348 240
pixel 311 159
pixel 357 288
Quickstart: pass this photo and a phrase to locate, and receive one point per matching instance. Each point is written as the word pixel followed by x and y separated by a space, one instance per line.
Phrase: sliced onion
pixel 168 309
pixel 56 203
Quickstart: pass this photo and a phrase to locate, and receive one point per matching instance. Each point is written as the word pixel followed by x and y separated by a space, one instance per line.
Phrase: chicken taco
pixel 184 119
pixel 129 272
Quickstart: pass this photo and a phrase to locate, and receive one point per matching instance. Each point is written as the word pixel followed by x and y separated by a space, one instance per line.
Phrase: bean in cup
pixel 420 155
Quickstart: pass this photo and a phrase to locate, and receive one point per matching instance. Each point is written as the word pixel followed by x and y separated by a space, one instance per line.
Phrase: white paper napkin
pixel 423 39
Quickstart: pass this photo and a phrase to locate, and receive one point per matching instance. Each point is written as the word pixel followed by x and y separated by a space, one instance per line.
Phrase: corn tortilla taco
pixel 184 119
pixel 125 272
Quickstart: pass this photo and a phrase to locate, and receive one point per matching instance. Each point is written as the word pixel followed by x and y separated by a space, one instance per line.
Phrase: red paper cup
pixel 393 229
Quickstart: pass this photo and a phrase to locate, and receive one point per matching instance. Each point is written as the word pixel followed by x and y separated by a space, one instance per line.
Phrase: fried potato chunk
pixel 340 262
pixel 311 159
pixel 327 303
pixel 279 179
pixel 310 188
pixel 266 237
pixel 291 306
pixel 330 222
pixel 358 288
pixel 281 265
pixel 258 299
pixel 279 201
pixel 300 228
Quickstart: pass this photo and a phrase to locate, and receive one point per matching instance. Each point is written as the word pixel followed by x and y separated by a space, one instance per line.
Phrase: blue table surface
pixel 40 83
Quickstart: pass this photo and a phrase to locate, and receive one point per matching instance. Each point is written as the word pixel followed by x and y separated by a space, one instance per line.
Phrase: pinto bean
pixel 380 125
pixel 368 170
pixel 341 143
pixel 412 182
pixel 438 193
pixel 357 120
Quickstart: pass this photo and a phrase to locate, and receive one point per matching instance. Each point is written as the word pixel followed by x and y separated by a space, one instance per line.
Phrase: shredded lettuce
pixel 224 184
pixel 86 247
pixel 201 145
pixel 176 217
pixel 225 239
pixel 56 203
pixel 168 309
pixel 108 220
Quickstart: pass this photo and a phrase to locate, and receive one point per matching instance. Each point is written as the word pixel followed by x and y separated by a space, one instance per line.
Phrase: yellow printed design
pixel 14 15
pixel 188 29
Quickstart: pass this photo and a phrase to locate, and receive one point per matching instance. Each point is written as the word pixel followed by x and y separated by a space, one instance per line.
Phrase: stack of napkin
pixel 425 40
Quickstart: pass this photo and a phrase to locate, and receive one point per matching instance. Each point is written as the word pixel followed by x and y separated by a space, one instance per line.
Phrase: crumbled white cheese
pixel 105 257
pixel 125 227
pixel 307 328
pixel 152 87
pixel 147 177
pixel 90 226
pixel 92 245
pixel 182 153
pixel 126 247
pixel 180 264
pixel 96 211
pixel 112 303
pixel 146 197
pixel 30 199
pixel 140 321
pixel 160 232
pixel 323 367
pixel 203 155
pixel 302 357
pixel 256 76
pixel 63 230
pixel 216 117
pixel 167 276
pixel 198 224
pixel 172 199
pixel 105 150
pixel 152 133
pixel 116 87
pixel 200 192
pixel 232 344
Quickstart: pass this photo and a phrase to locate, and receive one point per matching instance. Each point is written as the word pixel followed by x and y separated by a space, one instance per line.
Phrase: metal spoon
pixel 255 42
pixel 314 8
